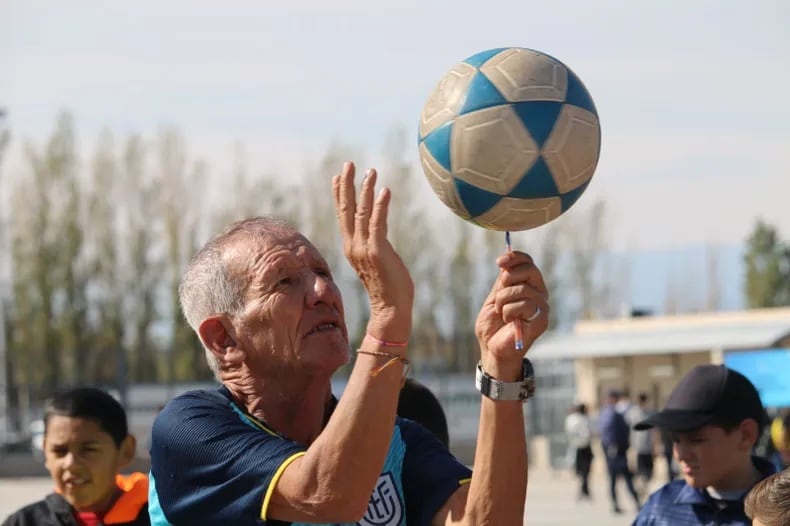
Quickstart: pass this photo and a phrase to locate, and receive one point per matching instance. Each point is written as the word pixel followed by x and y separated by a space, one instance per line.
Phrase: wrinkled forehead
pixel 257 255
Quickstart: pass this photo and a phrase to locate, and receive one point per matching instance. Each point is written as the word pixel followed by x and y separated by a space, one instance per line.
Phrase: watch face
pixel 497 390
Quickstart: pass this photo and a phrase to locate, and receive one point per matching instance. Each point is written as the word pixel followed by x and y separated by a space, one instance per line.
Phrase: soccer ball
pixel 509 139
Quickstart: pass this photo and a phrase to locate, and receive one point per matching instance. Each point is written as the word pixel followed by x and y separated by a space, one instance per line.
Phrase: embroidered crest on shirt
pixel 384 508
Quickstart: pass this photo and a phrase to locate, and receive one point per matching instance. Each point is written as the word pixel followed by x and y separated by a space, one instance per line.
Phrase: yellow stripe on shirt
pixel 275 478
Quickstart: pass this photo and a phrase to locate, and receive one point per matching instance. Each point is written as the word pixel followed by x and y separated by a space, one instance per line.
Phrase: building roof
pixel 723 331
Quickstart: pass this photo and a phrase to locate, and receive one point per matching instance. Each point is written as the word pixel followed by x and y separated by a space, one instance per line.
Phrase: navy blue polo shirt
pixel 213 463
pixel 678 503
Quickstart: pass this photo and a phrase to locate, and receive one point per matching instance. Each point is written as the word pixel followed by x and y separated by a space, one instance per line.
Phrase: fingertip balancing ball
pixel 509 139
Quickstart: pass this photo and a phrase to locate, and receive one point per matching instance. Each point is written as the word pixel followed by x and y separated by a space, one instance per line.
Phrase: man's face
pixel 83 461
pixel 710 455
pixel 293 316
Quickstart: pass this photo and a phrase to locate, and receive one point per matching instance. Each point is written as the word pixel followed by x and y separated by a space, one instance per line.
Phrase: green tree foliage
pixel 767 261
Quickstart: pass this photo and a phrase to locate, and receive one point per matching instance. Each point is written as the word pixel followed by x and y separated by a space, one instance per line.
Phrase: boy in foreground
pixel 715 417
pixel 86 443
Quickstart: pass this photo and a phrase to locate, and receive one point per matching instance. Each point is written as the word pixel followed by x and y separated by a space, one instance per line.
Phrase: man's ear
pixel 128 450
pixel 216 334
pixel 749 433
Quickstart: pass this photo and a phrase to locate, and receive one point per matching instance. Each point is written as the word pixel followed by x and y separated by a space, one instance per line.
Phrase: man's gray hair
pixel 210 286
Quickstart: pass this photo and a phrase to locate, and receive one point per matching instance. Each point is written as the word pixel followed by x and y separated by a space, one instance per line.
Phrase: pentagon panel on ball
pixel 509 139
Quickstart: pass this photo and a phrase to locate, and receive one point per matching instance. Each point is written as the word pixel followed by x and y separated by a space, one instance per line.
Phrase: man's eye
pixel 284 282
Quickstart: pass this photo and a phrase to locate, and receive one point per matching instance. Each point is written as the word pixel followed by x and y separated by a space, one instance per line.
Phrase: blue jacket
pixel 678 503
pixel 614 429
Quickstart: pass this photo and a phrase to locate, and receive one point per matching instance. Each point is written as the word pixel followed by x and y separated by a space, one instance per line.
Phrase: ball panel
pixel 524 75
pixel 578 95
pixel 571 197
pixel 538 182
pixel 442 183
pixel 539 118
pixel 572 150
pixel 438 143
pixel 518 214
pixel 481 58
pixel 481 94
pixel 491 149
pixel 475 200
pixel 446 100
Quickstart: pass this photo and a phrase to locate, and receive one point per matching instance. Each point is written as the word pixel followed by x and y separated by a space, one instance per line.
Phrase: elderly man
pixel 273 446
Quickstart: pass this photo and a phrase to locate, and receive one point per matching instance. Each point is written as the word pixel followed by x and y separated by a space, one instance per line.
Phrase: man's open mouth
pixel 323 327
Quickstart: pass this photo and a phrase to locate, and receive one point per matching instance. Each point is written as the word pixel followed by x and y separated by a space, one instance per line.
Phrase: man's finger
pixel 346 202
pixel 516 293
pixel 364 205
pixel 378 218
pixel 525 272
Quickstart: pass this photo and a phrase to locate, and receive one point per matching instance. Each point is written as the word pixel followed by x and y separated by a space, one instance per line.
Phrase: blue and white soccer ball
pixel 509 139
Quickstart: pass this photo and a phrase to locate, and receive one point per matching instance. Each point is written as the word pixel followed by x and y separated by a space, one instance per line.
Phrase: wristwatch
pixel 497 390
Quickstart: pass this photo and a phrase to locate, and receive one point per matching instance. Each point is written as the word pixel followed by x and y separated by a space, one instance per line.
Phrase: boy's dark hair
pixel 643 398
pixel 769 500
pixel 418 403
pixel 91 404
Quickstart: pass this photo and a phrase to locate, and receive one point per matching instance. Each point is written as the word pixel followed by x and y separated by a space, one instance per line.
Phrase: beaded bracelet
pixel 392 359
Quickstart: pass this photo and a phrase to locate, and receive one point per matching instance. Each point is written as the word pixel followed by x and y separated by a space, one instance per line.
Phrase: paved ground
pixel 550 500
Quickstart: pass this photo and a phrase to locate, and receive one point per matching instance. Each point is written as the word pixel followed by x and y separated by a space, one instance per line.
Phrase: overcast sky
pixel 692 96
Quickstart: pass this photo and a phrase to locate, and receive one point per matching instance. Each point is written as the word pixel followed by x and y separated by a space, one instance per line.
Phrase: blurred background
pixel 132 131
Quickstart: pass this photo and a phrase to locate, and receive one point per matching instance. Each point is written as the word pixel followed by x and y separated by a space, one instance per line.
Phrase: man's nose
pixel 320 291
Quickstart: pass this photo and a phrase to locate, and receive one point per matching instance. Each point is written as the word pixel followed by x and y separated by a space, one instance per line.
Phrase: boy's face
pixel 710 456
pixel 83 461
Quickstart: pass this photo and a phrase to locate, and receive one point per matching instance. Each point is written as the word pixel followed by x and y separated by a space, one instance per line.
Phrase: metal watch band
pixel 507 391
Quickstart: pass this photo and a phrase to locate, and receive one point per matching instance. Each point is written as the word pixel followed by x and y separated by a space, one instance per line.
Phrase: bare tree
pixel 585 242
pixel 462 305
pixel 183 206
pixel 37 250
pixel 142 274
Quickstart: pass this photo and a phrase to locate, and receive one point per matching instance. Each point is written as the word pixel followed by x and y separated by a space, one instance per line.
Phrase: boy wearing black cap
pixel 715 417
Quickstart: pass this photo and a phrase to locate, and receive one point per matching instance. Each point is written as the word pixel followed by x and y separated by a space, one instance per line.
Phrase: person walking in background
pixel 579 434
pixel 615 437
pixel 642 442
pixel 623 404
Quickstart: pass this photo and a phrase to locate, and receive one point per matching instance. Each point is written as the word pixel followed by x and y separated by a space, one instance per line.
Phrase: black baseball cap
pixel 708 394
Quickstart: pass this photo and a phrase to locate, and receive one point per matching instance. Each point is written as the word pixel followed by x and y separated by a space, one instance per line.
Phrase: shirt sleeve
pixel 431 474
pixel 211 465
